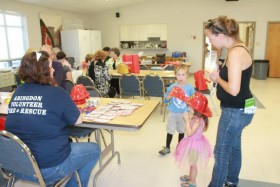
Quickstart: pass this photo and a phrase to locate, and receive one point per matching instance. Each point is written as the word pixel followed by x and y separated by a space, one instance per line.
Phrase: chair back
pixel 93 92
pixel 85 80
pixel 69 85
pixel 16 157
pixel 153 85
pixel 169 67
pixel 130 85
pixel 143 67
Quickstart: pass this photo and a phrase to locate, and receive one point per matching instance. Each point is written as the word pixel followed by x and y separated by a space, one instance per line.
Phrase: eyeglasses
pixel 209 24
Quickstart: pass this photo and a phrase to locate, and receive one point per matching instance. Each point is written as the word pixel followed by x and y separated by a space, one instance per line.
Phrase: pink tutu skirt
pixel 193 151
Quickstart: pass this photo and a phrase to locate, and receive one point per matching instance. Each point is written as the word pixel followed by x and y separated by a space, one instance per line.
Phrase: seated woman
pixel 107 51
pixel 112 63
pixel 100 73
pixel 88 60
pixel 42 121
pixel 60 56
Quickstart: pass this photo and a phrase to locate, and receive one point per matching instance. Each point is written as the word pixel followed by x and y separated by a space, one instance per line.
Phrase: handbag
pixel 200 81
pixel 122 68
pixel 112 92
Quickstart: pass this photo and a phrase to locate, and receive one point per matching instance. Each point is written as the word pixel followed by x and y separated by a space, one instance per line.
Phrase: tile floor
pixel 142 166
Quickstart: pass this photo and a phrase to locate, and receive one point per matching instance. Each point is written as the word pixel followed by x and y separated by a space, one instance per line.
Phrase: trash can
pixel 260 69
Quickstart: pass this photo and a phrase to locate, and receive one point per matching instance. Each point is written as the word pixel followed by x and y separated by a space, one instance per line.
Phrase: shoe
pixel 229 184
pixel 186 184
pixel 184 178
pixel 164 151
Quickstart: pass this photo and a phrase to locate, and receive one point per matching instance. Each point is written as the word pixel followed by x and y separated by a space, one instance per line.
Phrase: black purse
pixel 112 92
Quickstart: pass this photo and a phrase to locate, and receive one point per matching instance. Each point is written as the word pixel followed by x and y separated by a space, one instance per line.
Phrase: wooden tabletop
pixel 4 102
pixel 166 75
pixel 128 123
pixel 162 65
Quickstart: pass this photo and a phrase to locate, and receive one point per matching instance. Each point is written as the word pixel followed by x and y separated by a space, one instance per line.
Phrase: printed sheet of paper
pixel 104 114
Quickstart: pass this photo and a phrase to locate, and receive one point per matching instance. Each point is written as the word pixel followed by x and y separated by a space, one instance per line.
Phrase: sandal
pixel 186 184
pixel 184 178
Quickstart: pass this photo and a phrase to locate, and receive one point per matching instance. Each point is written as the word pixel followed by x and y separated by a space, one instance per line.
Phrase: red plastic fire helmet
pixel 79 94
pixel 199 103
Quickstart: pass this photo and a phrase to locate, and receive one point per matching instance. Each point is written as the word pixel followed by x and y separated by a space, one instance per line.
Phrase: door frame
pixel 266 39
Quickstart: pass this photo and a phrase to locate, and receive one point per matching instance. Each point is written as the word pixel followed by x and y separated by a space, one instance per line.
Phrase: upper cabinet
pixel 125 33
pixel 142 32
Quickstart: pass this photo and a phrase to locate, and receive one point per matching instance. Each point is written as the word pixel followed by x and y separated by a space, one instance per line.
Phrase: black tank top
pixel 237 101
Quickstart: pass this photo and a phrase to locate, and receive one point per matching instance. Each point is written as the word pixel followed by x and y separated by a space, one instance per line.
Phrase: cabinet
pixel 142 32
pixel 125 33
pixel 157 30
pixel 78 43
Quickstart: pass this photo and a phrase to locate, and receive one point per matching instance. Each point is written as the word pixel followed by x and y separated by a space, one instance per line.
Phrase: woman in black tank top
pixel 233 88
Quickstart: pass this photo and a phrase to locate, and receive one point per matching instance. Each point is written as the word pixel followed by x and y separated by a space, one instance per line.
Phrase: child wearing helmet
pixel 194 148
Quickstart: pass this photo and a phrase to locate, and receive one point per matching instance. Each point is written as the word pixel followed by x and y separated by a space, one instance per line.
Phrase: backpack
pixel 200 81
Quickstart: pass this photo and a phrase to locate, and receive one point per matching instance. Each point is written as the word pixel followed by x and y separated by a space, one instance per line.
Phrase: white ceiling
pixel 82 6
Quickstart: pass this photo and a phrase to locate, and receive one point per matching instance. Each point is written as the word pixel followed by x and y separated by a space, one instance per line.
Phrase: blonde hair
pixel 56 50
pixel 30 50
pixel 89 57
pixel 183 67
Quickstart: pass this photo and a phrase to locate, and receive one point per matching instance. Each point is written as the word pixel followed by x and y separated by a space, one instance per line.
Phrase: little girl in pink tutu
pixel 194 149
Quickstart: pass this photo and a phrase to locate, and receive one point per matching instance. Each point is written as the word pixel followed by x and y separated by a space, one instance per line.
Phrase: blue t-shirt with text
pixel 39 116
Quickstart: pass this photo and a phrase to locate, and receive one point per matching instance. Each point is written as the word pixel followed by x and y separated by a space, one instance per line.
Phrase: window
pixel 13 36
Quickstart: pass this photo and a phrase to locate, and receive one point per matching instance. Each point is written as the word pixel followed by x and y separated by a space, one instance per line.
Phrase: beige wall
pixel 184 18
pixel 31 13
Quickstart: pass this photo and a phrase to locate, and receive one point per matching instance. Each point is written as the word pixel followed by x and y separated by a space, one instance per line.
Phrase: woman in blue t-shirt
pixel 39 114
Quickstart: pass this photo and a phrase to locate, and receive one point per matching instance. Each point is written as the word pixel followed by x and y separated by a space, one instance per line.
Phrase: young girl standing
pixel 194 149
pixel 177 107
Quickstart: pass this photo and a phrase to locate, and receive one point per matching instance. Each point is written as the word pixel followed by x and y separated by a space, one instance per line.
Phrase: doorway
pixel 272 48
pixel 211 55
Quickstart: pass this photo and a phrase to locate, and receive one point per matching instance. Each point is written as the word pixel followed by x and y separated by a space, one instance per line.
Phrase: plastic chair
pixel 129 85
pixel 85 80
pixel 153 86
pixel 143 67
pixel 16 157
pixel 93 92
pixel 210 92
pixel 79 133
pixel 169 67
pixel 69 85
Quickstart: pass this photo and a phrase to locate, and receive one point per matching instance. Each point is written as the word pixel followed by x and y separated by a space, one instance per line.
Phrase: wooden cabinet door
pixel 272 48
